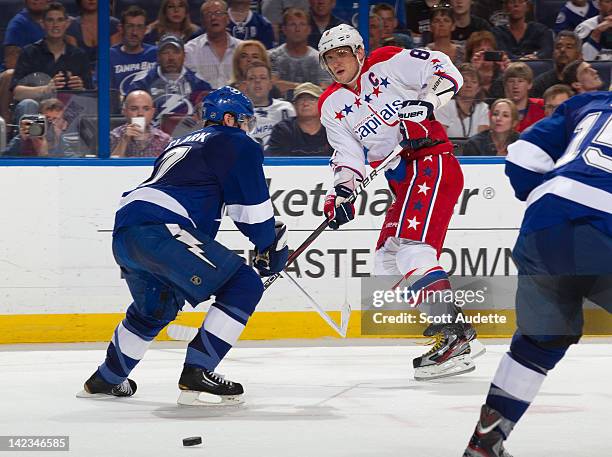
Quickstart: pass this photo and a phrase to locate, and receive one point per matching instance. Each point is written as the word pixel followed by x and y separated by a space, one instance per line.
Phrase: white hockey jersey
pixel 363 125
pixel 268 116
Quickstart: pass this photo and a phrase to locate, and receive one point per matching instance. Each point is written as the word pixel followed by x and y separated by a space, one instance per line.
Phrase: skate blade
pixel 195 398
pixel 453 367
pixel 84 394
pixel 477 348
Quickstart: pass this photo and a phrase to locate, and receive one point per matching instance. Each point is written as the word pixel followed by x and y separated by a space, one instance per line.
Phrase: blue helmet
pixel 227 99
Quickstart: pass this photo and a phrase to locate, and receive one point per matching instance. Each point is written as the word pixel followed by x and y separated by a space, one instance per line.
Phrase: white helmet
pixel 337 37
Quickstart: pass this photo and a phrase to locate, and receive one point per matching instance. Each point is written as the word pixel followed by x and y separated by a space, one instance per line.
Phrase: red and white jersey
pixel 362 125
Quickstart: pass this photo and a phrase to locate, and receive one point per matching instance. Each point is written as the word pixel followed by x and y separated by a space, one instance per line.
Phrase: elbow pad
pixel 439 90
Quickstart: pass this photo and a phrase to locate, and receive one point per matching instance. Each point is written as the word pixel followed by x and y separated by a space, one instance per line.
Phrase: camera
pixel 38 124
pixel 494 56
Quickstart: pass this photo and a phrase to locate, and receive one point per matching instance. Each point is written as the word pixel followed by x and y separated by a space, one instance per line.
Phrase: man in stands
pixel 568 47
pixel 465 22
pixel 137 137
pixel 65 67
pixel 174 88
pixel 210 55
pixel 518 79
pixel 573 13
pixel 295 62
pixel 521 39
pixel 581 77
pixel 303 135
pixel 321 19
pixel 131 56
pixel 554 96
pixel 596 33
pixel 23 29
pixel 268 111
pixel 245 24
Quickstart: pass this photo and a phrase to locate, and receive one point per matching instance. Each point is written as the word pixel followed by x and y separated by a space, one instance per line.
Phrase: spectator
pixel 518 79
pixel 210 54
pixel 321 19
pixel 295 62
pixel 245 24
pixel 273 11
pixel 302 135
pixel 246 52
pixel 65 67
pixel 573 13
pixel 137 137
pixel 465 115
pixel 521 39
pixel 478 51
pixel 418 18
pixel 554 96
pixel 173 17
pixel 54 143
pixel 131 56
pixel 442 26
pixel 83 30
pixel 390 23
pixel 491 11
pixel 268 111
pixel 567 49
pixel 596 33
pixel 23 29
pixel 501 132
pixel 465 22
pixel 376 32
pixel 581 77
pixel 174 88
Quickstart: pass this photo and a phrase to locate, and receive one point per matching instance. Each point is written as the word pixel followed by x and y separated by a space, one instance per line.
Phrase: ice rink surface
pixel 315 399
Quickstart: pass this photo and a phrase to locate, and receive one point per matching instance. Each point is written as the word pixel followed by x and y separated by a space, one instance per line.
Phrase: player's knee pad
pixel 544 352
pixel 241 292
pixel 413 255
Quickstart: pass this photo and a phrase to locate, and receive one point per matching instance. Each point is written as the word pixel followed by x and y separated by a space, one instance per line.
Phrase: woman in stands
pixel 173 17
pixel 245 53
pixel 465 115
pixel 481 51
pixel 495 141
pixel 442 26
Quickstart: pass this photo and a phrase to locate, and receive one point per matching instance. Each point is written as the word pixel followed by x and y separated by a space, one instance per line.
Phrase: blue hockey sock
pixel 520 375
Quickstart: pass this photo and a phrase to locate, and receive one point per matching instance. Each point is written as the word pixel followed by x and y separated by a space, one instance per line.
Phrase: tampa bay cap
pixel 170 39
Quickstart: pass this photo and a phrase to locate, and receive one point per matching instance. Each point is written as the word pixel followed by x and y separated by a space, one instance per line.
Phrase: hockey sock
pixel 130 341
pixel 520 375
pixel 225 321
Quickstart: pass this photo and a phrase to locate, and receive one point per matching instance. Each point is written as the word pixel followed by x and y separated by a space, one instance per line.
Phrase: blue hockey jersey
pixel 571 15
pixel 562 165
pixel 196 177
pixel 256 27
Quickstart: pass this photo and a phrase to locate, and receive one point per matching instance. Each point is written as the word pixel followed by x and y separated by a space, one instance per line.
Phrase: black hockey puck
pixel 192 441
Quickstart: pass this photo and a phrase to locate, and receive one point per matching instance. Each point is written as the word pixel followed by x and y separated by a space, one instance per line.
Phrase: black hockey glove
pixel 337 210
pixel 274 258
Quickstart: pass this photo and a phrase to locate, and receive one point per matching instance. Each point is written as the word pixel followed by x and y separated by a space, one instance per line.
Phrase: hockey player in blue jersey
pixel 562 168
pixel 163 241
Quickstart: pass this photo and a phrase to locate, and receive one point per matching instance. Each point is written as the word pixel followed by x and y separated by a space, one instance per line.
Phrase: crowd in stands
pixel 518 64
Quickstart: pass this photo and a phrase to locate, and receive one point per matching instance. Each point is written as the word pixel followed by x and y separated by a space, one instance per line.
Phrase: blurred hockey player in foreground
pixel 562 168
pixel 377 102
pixel 163 241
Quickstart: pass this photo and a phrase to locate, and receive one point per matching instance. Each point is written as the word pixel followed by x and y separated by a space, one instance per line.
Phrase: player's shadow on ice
pixel 260 412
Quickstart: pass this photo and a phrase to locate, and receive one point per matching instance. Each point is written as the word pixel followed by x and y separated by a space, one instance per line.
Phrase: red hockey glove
pixel 412 116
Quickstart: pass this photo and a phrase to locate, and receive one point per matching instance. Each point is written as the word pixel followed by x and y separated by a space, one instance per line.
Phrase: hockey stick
pixel 185 333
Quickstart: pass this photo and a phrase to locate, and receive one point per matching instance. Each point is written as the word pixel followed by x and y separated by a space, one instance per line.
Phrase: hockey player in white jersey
pixel 377 102
pixel 562 168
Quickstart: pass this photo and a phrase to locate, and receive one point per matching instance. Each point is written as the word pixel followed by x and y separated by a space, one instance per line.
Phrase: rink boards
pixel 59 282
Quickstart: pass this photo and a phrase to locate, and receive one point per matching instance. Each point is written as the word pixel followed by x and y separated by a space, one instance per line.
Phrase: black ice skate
pixel 450 354
pixel 476 347
pixel 488 440
pixel 97 387
pixel 195 381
